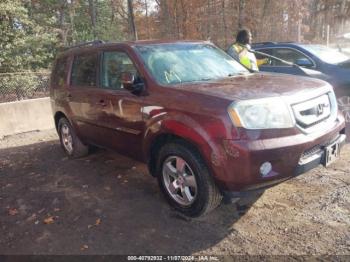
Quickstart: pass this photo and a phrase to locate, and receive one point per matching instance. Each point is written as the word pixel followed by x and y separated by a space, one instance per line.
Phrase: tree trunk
pixel 208 19
pixel 62 24
pixel 241 13
pixel 92 10
pixel 71 9
pixel 224 22
pixel 132 20
pixel 147 20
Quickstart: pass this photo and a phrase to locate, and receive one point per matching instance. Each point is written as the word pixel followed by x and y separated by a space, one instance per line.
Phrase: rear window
pixel 84 70
pixel 59 73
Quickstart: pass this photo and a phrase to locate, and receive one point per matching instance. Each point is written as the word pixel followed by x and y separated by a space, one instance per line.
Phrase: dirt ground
pixel 109 204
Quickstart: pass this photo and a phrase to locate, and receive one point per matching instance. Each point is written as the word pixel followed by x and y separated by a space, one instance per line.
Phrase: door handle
pixel 101 103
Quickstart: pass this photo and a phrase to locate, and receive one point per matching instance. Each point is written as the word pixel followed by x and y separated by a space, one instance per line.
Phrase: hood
pixel 316 74
pixel 258 85
pixel 345 65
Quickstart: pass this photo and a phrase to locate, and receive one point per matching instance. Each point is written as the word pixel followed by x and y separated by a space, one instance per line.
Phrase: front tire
pixel 70 142
pixel 185 180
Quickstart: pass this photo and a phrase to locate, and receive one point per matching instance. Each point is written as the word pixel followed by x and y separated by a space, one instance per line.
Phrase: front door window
pixel 113 64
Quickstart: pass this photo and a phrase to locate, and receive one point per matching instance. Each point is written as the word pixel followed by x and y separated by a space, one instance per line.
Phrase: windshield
pixel 326 54
pixel 172 64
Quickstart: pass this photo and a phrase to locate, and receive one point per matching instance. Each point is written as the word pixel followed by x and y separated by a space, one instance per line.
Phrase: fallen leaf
pixel 49 220
pixel 36 222
pixel 84 247
pixel 125 181
pixel 90 226
pixel 13 211
pixel 98 221
pixel 107 188
pixel 31 218
pixel 56 209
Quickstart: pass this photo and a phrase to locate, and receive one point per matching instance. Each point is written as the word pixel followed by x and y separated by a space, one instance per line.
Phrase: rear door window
pixel 84 70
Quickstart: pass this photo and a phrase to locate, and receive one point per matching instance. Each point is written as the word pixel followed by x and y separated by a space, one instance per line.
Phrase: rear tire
pixel 185 180
pixel 70 142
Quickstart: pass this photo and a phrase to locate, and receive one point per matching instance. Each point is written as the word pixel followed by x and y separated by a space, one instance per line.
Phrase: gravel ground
pixel 108 204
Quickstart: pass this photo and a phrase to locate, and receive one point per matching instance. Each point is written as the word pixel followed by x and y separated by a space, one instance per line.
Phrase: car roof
pixel 101 44
pixel 276 44
pixel 97 44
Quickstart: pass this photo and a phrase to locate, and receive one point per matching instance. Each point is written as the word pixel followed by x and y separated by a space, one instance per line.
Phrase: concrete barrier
pixel 24 116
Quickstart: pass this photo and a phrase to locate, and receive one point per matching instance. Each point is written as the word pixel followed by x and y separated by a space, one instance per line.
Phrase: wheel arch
pixel 164 138
pixel 58 116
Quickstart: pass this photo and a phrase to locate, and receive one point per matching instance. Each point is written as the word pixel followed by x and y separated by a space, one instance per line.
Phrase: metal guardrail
pixel 23 85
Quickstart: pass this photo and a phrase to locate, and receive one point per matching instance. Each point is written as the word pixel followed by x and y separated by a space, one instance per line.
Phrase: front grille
pixel 309 152
pixel 312 112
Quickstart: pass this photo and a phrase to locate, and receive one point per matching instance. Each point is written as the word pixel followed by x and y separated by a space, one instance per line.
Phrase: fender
pixel 188 128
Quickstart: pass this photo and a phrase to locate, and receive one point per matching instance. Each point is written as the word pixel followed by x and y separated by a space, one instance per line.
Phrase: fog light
pixel 265 168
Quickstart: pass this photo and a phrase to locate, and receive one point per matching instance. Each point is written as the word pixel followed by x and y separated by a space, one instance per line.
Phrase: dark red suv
pixel 205 126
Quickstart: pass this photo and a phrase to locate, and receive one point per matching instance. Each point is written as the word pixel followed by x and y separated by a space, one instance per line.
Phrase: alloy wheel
pixel 67 139
pixel 179 180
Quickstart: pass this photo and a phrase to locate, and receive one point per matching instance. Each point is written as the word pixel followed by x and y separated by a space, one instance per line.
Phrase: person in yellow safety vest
pixel 240 51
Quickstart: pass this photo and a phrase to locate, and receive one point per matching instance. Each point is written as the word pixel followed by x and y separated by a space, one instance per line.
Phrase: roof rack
pixel 95 42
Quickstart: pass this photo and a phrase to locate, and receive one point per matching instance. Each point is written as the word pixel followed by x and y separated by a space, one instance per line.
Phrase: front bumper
pixel 317 157
pixel 288 155
pixel 314 160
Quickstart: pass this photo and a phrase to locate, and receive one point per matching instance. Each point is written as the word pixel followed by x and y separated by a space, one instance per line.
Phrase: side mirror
pixel 130 83
pixel 127 79
pixel 304 62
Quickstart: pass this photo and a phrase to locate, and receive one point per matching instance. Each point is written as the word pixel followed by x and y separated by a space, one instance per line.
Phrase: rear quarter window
pixel 84 70
pixel 59 74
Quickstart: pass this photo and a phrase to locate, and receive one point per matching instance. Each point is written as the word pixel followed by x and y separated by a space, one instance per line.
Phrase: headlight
pixel 261 114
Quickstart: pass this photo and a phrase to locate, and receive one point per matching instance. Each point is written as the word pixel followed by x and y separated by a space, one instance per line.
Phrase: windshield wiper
pixel 236 74
pixel 205 79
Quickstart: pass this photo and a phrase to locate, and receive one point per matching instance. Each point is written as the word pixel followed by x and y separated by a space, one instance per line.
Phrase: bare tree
pixel 241 13
pixel 224 21
pixel 92 11
pixel 132 19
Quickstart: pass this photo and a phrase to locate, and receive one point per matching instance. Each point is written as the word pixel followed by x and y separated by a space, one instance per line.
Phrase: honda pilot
pixel 205 126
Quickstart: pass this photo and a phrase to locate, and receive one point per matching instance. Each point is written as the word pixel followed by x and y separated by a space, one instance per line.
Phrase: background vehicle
pixel 326 64
pixel 205 126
